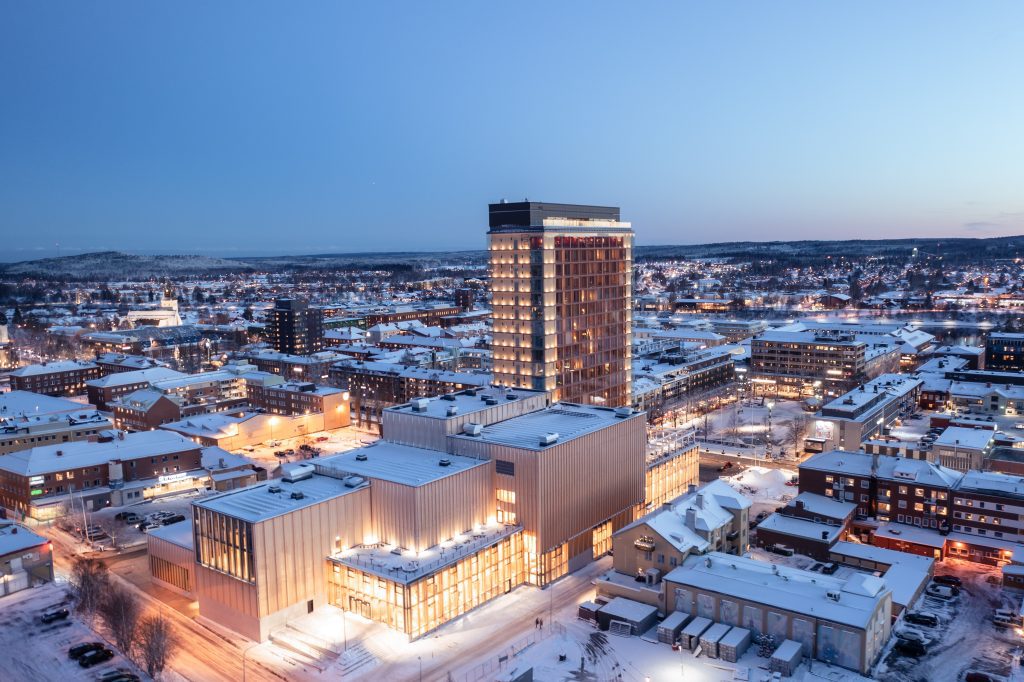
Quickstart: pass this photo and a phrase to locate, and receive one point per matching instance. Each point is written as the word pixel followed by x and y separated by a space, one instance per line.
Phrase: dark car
pixel 80 650
pixel 56 614
pixel 830 568
pixel 949 580
pixel 928 619
pixel 120 677
pixel 95 657
pixel 116 675
pixel 177 518
pixel 911 647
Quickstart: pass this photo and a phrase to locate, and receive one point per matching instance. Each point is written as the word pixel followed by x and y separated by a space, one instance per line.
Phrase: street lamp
pixel 768 448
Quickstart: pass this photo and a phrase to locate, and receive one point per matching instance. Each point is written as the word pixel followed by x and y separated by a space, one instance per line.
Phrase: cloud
pixel 982 227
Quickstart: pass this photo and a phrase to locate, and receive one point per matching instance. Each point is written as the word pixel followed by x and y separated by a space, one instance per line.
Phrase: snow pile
pixel 764 485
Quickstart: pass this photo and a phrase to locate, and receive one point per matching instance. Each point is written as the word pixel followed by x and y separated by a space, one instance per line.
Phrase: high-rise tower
pixel 293 327
pixel 562 300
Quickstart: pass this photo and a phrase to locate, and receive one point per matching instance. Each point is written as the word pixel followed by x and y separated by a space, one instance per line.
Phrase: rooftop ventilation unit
pixel 448 396
pixel 833 595
pixel 490 400
pixel 274 489
pixel 623 412
pixel 354 481
pixel 471 429
pixel 452 410
pixel 445 462
pixel 549 439
pixel 297 495
pixel 298 473
pixel 361 457
pixel 420 404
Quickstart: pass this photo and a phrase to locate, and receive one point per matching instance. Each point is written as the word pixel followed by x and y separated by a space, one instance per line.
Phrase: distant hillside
pixel 114 265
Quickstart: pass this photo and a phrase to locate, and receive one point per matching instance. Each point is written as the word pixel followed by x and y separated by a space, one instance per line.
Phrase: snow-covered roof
pixel 992 482
pixel 906 574
pixel 19 403
pixel 689 519
pixel 257 503
pixel 52 368
pixel 825 506
pixel 784 587
pixel 628 610
pixel 402 464
pixel 567 420
pixel 150 375
pixel 800 528
pixel 177 533
pixel 15 538
pixel 958 436
pixel 45 459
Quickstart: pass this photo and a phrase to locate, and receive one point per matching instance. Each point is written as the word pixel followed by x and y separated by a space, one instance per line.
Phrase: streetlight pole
pixel 768 447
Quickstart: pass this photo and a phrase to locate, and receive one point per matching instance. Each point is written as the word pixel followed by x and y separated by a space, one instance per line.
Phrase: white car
pixel 1019 425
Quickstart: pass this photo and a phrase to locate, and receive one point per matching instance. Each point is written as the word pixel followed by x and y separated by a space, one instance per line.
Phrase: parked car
pixel 95 657
pixel 829 568
pixel 148 526
pixel 950 580
pixel 176 518
pixel 130 518
pixel 922 618
pixel 54 615
pixel 322 439
pixel 940 591
pixel 80 650
pixel 910 647
pixel 781 550
pixel 121 677
pixel 913 635
pixel 115 675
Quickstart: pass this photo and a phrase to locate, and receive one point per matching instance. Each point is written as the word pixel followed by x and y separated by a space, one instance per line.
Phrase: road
pixel 201 653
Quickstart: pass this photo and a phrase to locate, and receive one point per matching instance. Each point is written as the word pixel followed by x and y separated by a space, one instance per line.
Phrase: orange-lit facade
pixel 561 285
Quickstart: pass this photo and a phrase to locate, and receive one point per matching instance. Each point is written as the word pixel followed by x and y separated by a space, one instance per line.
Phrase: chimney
pixel 60 453
pixel 699 501
pixel 691 518
pixel 874 463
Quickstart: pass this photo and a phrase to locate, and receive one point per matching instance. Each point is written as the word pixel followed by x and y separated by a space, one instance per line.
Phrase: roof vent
pixel 490 400
pixel 274 489
pixel 420 404
pixel 623 412
pixel 60 453
pixel 361 457
pixel 297 495
pixel 452 410
pixel 445 462
pixel 471 429
pixel 448 396
pixel 354 481
pixel 833 595
pixel 549 439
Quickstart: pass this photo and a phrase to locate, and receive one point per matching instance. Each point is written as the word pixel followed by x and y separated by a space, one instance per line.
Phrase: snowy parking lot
pixel 49 660
pixel 965 639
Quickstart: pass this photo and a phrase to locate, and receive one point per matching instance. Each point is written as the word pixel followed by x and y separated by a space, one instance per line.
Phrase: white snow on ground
pixel 30 650
pixel 764 485
pixel 966 639
pixel 594 655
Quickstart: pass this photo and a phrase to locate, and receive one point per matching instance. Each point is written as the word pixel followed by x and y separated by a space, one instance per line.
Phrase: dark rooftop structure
pixel 532 213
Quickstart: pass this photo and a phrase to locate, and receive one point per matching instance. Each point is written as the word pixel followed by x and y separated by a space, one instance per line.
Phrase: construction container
pixel 734 644
pixel 668 629
pixel 690 635
pixel 709 640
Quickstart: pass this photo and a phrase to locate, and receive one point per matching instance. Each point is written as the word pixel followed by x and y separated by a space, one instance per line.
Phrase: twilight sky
pixel 256 127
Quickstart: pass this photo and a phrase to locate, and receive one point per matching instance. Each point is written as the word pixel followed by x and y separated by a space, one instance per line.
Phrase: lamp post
pixel 768 448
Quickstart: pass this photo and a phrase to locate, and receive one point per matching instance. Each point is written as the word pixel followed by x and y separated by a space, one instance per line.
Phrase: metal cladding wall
pixel 569 487
pixel 172 564
pixel 418 517
pixel 290 548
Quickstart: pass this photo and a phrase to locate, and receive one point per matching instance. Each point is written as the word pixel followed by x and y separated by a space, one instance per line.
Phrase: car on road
pixel 146 526
pixel 95 657
pixel 950 580
pixel 922 618
pixel 175 518
pixel 80 650
pixel 55 615
pixel 726 466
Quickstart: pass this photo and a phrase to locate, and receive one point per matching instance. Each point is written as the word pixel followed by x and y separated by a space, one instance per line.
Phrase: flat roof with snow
pixel 45 459
pixel 464 402
pixel 404 464
pixel 258 503
pixel 566 420
pixel 19 403
pixel 784 587
pixel 958 436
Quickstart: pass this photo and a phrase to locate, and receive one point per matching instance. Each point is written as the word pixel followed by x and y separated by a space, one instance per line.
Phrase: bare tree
pixel 155 643
pixel 112 527
pixel 793 431
pixel 90 583
pixel 121 611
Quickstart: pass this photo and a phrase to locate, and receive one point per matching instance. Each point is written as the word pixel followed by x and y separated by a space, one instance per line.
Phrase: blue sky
pixel 253 127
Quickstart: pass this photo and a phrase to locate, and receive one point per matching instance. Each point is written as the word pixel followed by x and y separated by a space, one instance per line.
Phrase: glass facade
pixel 224 544
pixel 424 604
pixel 562 309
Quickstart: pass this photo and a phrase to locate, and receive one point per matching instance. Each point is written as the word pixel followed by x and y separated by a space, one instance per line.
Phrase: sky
pixel 242 128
